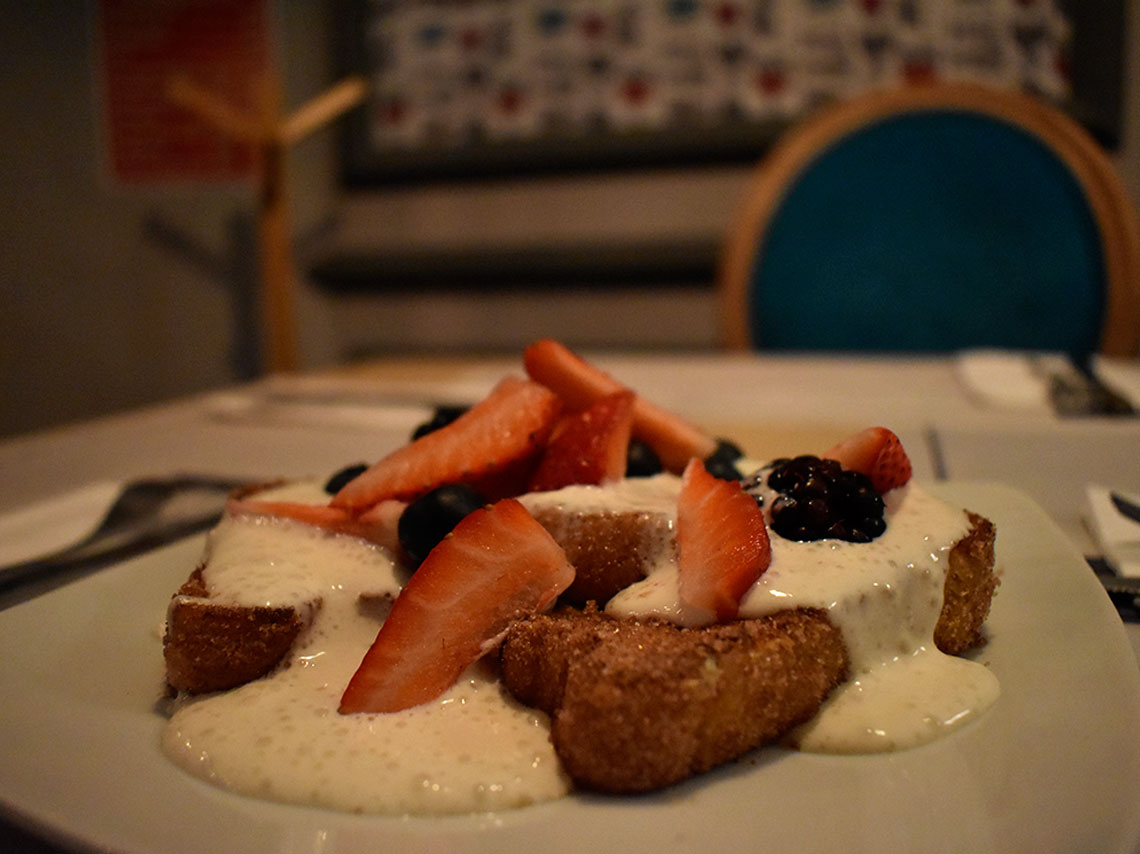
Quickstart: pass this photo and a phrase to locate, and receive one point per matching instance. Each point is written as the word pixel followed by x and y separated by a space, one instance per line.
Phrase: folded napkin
pixel 1005 379
pixel 1116 534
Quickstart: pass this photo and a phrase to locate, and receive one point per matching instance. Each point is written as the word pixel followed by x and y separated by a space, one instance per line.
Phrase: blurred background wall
pixel 115 297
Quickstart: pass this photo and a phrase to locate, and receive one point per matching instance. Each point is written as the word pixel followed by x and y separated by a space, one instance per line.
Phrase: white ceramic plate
pixel 1054 766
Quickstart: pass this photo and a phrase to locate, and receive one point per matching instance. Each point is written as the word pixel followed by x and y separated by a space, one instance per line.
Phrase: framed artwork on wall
pixel 476 88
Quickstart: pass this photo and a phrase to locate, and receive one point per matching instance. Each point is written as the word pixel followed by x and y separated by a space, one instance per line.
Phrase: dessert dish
pixel 497 613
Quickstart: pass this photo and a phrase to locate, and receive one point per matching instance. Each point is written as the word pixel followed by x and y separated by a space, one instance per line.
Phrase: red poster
pixel 220 45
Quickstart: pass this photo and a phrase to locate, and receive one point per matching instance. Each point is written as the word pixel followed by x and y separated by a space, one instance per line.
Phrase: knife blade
pixel 1127 509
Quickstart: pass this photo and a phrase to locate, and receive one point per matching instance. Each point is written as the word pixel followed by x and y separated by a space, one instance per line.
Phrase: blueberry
pixel 442 416
pixel 432 516
pixel 342 477
pixel 642 460
pixel 727 450
pixel 722 462
pixel 724 469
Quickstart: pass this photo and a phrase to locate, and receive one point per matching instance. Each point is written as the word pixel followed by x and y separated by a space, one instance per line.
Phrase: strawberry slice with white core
pixel 722 542
pixel 507 429
pixel 377 524
pixel 589 447
pixel 496 566
pixel 580 384
pixel 877 453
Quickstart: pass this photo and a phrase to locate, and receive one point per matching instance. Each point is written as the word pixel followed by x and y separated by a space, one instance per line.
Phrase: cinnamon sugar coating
pixel 970 586
pixel 637 706
pixel 210 646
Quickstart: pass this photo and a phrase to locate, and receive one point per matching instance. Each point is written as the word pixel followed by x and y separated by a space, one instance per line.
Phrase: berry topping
pixel 641 460
pixel 492 446
pixel 442 416
pixel 432 516
pixel 588 447
pixel 338 481
pixel 877 453
pixel 722 543
pixel 579 384
pixel 499 564
pixel 818 500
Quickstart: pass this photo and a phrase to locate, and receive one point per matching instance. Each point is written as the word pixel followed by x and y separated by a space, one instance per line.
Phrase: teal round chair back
pixel 929 229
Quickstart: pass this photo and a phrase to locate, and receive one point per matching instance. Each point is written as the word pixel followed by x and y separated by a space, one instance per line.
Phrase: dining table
pixel 81 677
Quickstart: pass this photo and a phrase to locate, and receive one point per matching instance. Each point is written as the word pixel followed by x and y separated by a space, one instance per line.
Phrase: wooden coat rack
pixel 271 133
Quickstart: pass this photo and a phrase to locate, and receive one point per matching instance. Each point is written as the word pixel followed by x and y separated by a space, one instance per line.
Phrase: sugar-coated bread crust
pixel 971 582
pixel 609 550
pixel 637 706
pixel 213 646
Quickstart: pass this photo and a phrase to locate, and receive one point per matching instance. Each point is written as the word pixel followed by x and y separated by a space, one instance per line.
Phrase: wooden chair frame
pixel 1114 212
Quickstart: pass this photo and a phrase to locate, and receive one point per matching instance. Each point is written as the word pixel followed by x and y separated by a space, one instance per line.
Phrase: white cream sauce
pixel 643 494
pixel 282 738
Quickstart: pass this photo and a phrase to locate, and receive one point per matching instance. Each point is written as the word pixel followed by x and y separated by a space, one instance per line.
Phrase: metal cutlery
pixel 1124 591
pixel 1081 392
pixel 1126 508
pixel 147 513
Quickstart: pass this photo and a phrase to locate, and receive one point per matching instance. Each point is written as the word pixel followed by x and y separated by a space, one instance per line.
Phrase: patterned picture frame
pixel 479 88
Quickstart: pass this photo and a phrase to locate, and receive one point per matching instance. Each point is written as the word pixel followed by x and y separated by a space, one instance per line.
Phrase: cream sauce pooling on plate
pixel 885 598
pixel 282 738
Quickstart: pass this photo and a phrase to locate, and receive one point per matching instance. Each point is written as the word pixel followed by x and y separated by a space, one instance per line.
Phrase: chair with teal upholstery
pixel 934 218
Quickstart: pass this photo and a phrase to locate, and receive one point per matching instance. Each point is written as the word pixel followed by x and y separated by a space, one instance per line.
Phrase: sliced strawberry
pixel 382 521
pixel 877 453
pixel 589 446
pixel 486 447
pixel 579 384
pixel 722 542
pixel 497 565
pixel 377 525
pixel 572 378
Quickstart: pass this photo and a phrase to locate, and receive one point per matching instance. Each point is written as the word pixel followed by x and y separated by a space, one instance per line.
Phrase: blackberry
pixel 818 499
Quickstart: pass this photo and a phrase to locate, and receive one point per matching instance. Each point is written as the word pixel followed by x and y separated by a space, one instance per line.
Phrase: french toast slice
pixel 216 638
pixel 213 646
pixel 971 582
pixel 637 706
